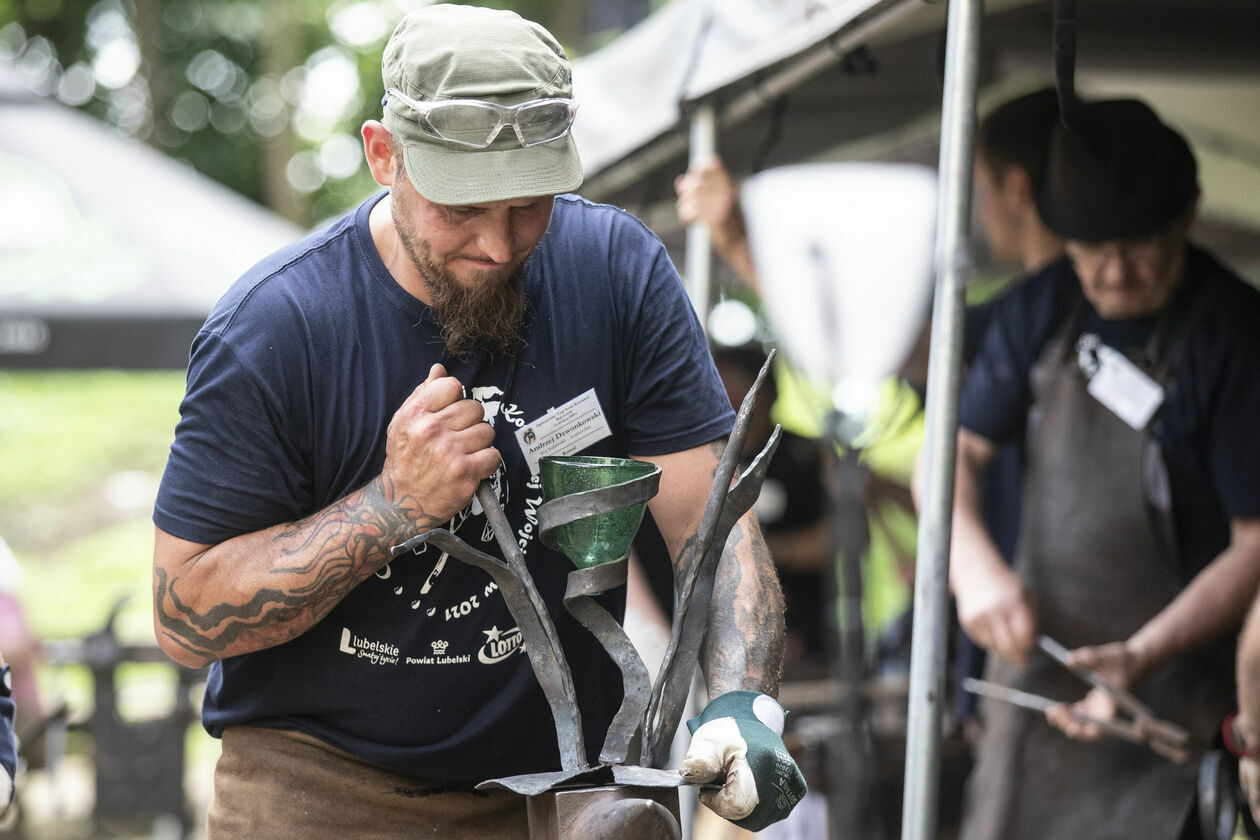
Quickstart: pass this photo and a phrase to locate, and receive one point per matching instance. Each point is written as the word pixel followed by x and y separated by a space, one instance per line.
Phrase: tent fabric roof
pixel 635 89
pixel 861 79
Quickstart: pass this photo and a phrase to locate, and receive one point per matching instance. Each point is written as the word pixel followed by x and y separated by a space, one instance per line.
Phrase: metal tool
pixel 1163 737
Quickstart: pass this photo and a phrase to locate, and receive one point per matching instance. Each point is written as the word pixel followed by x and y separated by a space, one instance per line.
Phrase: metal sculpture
pixel 644 794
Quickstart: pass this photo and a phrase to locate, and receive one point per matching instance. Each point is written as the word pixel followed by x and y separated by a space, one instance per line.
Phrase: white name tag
pixel 563 430
pixel 1124 389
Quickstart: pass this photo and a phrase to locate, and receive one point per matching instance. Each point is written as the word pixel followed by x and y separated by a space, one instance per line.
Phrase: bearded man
pixel 354 390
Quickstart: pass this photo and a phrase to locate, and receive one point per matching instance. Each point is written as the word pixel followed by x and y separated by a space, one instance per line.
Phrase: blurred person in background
pixel 20 646
pixel 355 389
pixel 1011 148
pixel 1012 142
pixel 8 741
pixel 1129 369
pixel 707 195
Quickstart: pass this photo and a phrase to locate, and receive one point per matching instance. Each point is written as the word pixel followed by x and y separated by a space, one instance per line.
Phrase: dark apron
pixel 1096 550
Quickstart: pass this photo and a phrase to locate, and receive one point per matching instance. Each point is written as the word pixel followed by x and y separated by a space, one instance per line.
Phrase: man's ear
pixel 1017 185
pixel 378 148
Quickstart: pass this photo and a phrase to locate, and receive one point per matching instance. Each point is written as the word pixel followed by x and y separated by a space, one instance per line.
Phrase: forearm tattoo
pixel 314 563
pixel 743 647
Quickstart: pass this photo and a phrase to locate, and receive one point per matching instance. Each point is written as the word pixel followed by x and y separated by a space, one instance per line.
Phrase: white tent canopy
pixel 861 79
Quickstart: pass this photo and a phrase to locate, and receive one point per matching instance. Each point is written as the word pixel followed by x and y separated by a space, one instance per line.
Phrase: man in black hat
pixel 1129 368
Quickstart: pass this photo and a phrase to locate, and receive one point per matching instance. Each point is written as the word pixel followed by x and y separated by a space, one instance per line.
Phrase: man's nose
pixel 494 236
pixel 1117 267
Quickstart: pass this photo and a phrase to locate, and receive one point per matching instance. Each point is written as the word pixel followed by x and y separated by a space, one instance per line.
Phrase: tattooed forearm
pixel 744 645
pixel 286 578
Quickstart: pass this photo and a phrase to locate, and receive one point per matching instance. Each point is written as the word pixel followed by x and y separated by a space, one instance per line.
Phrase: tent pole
pixel 931 587
pixel 699 253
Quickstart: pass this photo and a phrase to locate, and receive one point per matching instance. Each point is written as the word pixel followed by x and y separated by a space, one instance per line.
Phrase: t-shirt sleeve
pixel 235 466
pixel 676 400
pixel 1233 409
pixel 996 393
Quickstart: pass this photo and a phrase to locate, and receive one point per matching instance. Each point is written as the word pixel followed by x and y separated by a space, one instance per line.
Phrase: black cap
pixel 1118 173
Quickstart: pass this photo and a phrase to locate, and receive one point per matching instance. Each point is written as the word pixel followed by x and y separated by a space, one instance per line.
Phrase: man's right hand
pixel 438 449
pixel 997 612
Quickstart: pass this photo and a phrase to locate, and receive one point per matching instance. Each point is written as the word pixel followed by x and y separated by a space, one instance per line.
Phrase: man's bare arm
pixel 260 589
pixel 743 648
pixel 1248 675
pixel 1214 603
pixel 993 606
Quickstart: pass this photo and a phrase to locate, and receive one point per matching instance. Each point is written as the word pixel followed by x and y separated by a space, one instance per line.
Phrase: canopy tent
pixel 111 253
pixel 862 79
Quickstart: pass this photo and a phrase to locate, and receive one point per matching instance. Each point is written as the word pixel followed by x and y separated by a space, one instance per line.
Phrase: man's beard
pixel 487 315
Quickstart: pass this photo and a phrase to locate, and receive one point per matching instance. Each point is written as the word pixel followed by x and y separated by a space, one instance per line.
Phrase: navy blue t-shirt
pixel 1206 426
pixel 292 382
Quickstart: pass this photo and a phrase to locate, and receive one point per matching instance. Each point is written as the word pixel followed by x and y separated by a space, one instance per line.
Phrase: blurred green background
pixel 83 451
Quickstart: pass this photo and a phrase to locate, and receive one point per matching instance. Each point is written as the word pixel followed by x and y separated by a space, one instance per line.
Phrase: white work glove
pixel 738 741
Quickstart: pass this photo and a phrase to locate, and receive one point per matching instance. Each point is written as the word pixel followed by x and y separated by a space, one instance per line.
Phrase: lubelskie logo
pixel 376 652
pixel 500 644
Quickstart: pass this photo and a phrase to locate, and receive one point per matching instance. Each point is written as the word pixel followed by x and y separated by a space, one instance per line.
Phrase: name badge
pixel 1124 389
pixel 563 430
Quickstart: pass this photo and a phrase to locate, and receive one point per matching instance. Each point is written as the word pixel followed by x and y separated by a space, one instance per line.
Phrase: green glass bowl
pixel 595 539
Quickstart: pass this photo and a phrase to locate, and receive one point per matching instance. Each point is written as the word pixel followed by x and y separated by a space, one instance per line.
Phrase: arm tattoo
pixel 744 644
pixel 317 562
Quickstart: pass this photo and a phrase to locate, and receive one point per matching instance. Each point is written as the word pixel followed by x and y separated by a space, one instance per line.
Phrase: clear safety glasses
pixel 475 123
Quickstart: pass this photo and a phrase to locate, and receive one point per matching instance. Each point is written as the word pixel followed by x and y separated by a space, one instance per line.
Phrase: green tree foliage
pixel 266 96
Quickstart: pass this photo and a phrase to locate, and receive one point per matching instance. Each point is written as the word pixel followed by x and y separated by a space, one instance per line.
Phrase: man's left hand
pixel 738 740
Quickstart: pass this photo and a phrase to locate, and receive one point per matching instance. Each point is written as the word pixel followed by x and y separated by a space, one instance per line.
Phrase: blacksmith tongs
pixel 1164 737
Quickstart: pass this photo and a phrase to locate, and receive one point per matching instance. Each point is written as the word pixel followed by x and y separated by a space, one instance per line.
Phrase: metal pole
pixel 931 587
pixel 848 756
pixel 699 254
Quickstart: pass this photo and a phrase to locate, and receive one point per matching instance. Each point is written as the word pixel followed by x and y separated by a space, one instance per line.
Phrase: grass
pixel 82 453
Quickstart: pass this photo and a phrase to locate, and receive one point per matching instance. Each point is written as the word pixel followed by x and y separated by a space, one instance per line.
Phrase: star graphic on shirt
pixel 493 634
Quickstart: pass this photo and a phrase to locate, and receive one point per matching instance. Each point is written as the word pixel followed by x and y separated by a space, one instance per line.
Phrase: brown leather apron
pixel 273 784
pixel 1095 552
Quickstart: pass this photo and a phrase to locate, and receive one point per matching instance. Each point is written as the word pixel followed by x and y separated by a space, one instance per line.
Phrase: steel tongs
pixel 1142 727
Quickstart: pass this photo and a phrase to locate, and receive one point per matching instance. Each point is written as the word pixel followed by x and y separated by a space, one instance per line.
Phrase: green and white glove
pixel 738 738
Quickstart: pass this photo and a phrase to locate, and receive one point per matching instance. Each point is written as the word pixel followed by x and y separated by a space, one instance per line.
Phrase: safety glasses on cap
pixel 475 123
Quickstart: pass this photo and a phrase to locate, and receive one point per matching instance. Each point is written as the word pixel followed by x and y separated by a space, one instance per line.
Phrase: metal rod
pixel 849 756
pixel 1007 694
pixel 1127 731
pixel 1174 734
pixel 931 588
pixel 699 253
